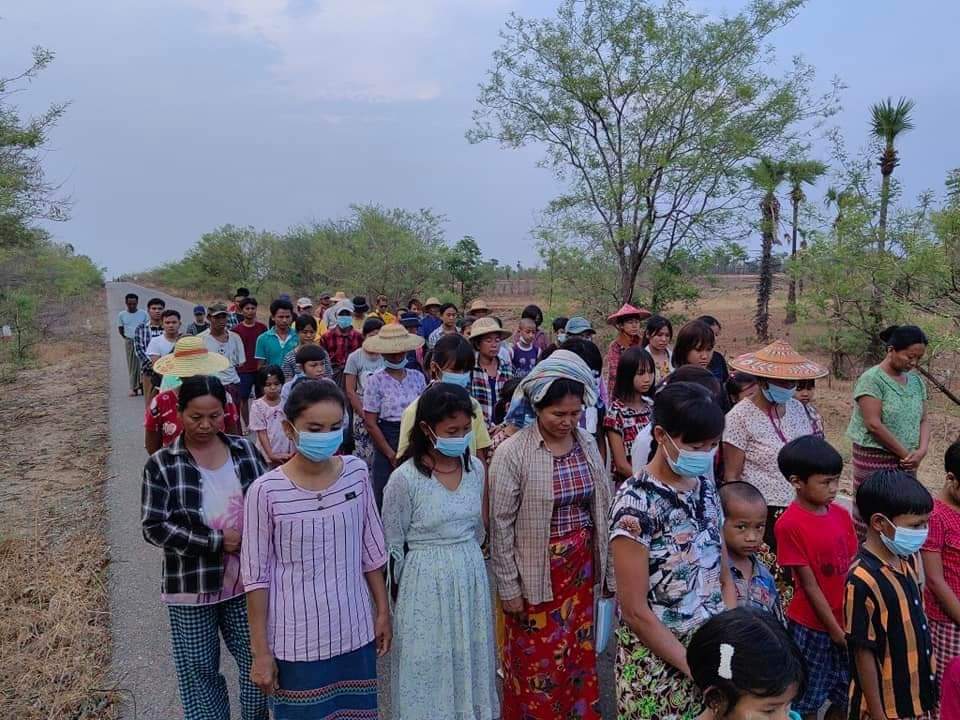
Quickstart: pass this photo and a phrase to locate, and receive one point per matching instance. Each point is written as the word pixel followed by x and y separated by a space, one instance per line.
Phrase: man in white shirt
pixel 218 339
pixel 163 344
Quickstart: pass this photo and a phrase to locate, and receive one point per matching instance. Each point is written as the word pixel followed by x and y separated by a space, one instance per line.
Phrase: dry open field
pixel 55 636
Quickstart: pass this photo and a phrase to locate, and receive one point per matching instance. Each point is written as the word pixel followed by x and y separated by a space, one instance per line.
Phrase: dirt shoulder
pixel 55 639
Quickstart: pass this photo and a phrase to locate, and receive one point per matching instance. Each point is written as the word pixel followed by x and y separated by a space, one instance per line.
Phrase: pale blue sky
pixel 187 114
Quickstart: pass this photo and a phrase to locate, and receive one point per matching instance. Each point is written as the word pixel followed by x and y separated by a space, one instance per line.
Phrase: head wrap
pixel 533 388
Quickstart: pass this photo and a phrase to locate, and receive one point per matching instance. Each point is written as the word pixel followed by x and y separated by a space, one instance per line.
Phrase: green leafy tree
pixel 231 256
pixel 766 175
pixel 799 173
pixel 646 112
pixel 467 268
pixel 26 196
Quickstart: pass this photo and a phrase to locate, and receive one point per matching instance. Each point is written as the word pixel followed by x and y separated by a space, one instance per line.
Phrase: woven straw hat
pixel 779 361
pixel 392 338
pixel 431 301
pixel 628 311
pixel 191 357
pixel 340 295
pixel 487 326
pixel 479 304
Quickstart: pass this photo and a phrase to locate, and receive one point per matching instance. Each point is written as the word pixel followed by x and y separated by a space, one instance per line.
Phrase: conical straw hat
pixel 628 311
pixel 392 338
pixel 779 361
pixel 191 357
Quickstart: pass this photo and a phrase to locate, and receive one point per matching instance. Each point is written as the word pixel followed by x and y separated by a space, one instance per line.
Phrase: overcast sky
pixel 188 114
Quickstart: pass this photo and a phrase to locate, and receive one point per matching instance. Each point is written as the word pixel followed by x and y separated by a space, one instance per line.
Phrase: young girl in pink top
pixel 266 417
pixel 312 558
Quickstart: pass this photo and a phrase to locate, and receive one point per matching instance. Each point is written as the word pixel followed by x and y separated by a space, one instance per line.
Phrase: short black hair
pixel 311 392
pixel 196 386
pixel 710 320
pixel 242 292
pixel 688 411
pixel 451 349
pixel 131 296
pixel 655 324
pixel 304 321
pixel 156 301
pixel 806 384
pixel 809 455
pixel 741 491
pixel 446 306
pixel 502 406
pixel 951 460
pixel 740 381
pixel 266 372
pixel 764 660
pixel 559 323
pixel 694 335
pixel 892 493
pixel 280 304
pixel 247 301
pixel 558 390
pixel 371 325
pixel 310 353
pixel 698 376
pixel 586 350
pixel 169 312
pixel 438 402
pixel 900 337
pixel 534 313
pixel 634 361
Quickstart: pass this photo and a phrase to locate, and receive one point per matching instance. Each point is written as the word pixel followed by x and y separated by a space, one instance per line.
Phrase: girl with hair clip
pixel 746 666
pixel 433 524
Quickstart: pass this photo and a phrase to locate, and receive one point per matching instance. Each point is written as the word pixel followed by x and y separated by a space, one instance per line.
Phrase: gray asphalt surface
pixel 142 665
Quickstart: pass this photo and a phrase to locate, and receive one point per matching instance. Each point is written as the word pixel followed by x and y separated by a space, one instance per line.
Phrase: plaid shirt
pixel 142 336
pixel 233 319
pixel 172 514
pixel 522 505
pixel 340 344
pixel 480 388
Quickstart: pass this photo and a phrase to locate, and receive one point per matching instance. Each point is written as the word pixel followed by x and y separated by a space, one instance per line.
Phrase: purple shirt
pixel 310 550
pixel 389 397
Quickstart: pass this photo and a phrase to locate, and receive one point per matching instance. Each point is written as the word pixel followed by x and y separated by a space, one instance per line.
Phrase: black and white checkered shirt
pixel 172 514
pixel 142 336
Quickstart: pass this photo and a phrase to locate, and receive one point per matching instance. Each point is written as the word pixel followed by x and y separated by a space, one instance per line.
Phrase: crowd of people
pixel 342 482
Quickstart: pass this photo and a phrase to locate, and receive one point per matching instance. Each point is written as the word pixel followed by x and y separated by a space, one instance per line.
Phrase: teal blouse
pixel 902 408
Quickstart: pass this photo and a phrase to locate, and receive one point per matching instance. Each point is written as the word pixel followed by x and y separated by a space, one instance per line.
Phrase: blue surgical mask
pixel 561 338
pixel 402 365
pixel 344 322
pixel 906 541
pixel 453 447
pixel 691 463
pixel 461 379
pixel 778 395
pixel 319 446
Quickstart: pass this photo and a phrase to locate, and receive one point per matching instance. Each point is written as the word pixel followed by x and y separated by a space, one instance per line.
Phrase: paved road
pixel 142 665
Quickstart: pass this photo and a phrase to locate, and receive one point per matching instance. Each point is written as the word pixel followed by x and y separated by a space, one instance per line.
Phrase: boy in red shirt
pixel 817 543
pixel 249 329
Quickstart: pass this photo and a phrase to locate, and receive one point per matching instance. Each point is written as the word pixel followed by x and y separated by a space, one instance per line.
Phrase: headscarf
pixel 533 388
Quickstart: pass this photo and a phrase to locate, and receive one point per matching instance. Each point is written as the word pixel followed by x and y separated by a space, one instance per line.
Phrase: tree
pixel 838 199
pixel 25 194
pixel 231 256
pixel 467 268
pixel 799 173
pixel 646 112
pixel 766 175
pixel 887 123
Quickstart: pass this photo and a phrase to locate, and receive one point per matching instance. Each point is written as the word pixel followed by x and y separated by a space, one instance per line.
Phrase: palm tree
pixel 887 122
pixel 766 175
pixel 799 173
pixel 838 198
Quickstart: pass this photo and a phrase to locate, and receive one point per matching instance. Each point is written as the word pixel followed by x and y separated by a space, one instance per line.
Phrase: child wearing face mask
pixel 672 573
pixel 312 540
pixel 887 631
pixel 433 524
pixel 816 542
pixel 746 666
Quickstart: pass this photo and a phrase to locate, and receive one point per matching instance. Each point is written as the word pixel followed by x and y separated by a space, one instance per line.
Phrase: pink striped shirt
pixel 310 550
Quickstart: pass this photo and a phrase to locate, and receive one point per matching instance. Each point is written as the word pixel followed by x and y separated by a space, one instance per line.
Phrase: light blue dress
pixel 443 654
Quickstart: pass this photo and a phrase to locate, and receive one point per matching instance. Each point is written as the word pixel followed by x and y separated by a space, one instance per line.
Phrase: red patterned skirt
pixel 866 461
pixel 549 662
pixel 945 638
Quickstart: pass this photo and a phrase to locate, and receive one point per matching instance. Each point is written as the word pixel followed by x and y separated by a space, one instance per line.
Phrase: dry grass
pixel 55 639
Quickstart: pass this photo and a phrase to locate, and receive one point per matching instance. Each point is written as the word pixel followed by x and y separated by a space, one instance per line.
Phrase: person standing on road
pixel 235 309
pixel 249 329
pixel 219 340
pixel 200 322
pixel 341 339
pixel 127 323
pixel 192 502
pixel 275 343
pixel 144 333
pixel 312 560
pixel 431 319
pixel 164 343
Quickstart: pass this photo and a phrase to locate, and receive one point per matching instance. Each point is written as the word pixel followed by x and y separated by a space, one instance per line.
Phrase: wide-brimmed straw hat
pixel 191 357
pixel 628 311
pixel 340 295
pixel 479 304
pixel 487 326
pixel 392 338
pixel 779 361
pixel 431 301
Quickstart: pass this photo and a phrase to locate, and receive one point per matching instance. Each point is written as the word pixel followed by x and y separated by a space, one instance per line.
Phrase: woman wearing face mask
pixel 193 509
pixel 549 498
pixel 443 662
pixel 759 426
pixel 888 428
pixel 385 396
pixel 451 361
pixel 670 563
pixel 312 558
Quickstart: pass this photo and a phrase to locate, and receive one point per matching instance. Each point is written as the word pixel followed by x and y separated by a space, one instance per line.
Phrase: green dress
pixel 902 408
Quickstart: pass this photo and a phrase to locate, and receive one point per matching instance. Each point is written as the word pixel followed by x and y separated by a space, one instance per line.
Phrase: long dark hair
pixel 632 362
pixel 654 325
pixel 197 386
pixel 307 393
pixel 455 349
pixel 438 402
pixel 695 335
